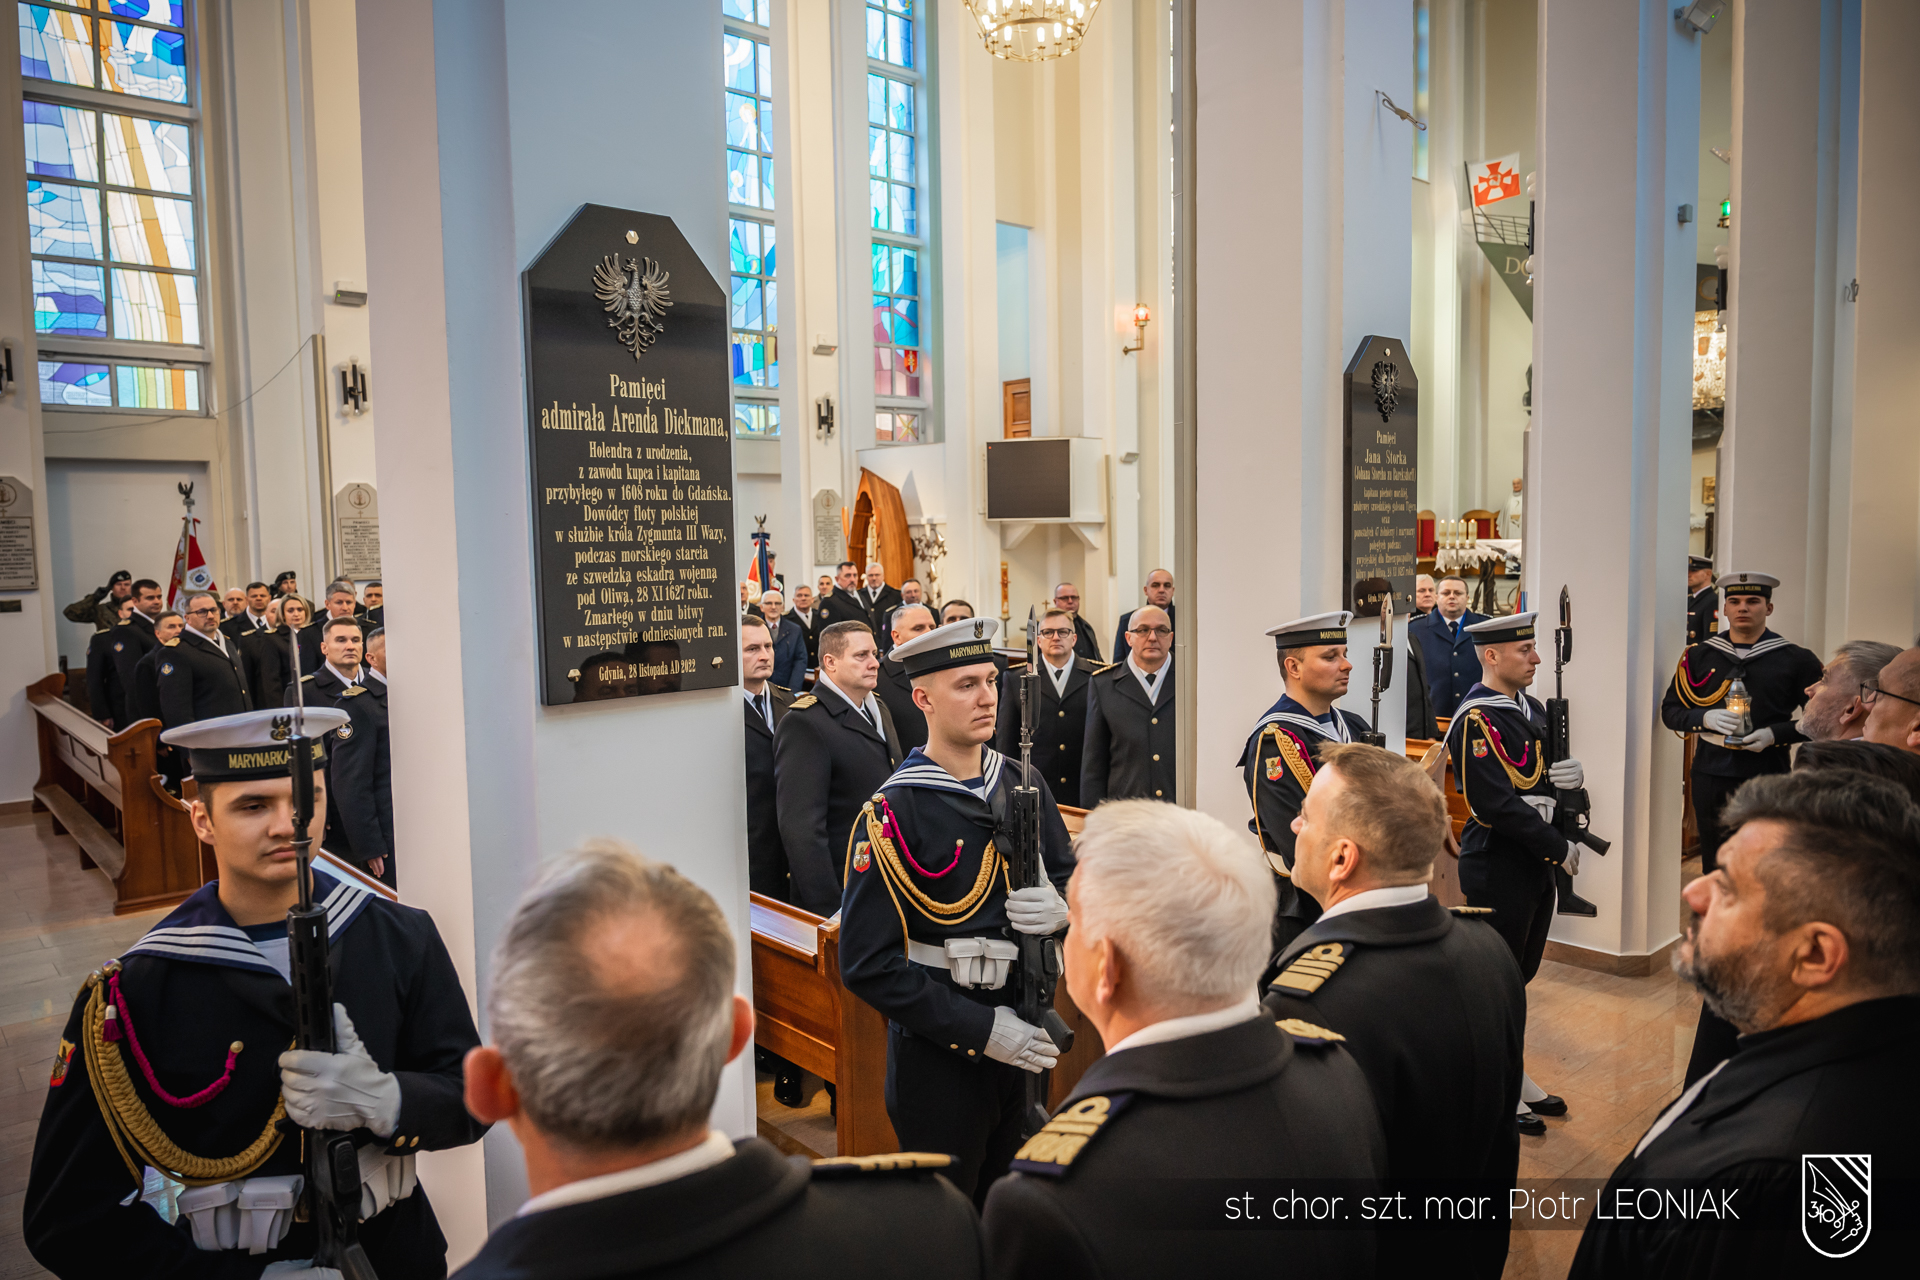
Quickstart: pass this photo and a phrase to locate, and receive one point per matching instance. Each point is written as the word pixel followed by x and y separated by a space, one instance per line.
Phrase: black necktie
pixel 760 705
pixel 868 717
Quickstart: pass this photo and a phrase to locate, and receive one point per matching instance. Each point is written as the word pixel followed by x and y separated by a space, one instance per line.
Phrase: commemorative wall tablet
pixel 631 450
pixel 1381 449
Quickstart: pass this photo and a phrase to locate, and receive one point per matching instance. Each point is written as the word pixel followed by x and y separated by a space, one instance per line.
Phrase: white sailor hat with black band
pixel 1748 584
pixel 958 644
pixel 1321 628
pixel 1506 630
pixel 252 744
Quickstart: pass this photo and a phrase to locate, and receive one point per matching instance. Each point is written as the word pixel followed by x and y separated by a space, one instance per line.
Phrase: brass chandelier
pixel 1032 30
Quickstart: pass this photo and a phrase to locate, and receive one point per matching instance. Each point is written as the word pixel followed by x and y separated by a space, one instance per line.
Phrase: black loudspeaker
pixel 1030 479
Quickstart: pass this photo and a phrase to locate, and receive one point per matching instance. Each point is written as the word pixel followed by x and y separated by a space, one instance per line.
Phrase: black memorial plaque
pixel 631 429
pixel 1381 451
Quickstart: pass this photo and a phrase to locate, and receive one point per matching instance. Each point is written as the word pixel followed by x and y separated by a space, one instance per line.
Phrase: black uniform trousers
pixel 1519 888
pixel 1711 791
pixel 968 1108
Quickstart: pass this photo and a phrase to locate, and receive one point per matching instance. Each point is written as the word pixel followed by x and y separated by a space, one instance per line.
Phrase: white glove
pixel 1039 909
pixel 301 1270
pixel 343 1090
pixel 1542 805
pixel 982 963
pixel 384 1179
pixel 1571 863
pixel 1567 775
pixel 1720 720
pixel 1020 1044
pixel 1758 740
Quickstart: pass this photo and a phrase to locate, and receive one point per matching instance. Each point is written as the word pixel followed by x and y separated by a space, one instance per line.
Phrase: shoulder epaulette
pixel 1100 667
pixel 897 1162
pixel 782 688
pixel 1051 1151
pixel 1471 911
pixel 353 689
pixel 1307 1033
pixel 306 677
pixel 1313 967
pixel 802 702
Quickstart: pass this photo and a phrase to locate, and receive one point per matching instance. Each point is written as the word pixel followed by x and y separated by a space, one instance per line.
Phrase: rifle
pixel 1040 957
pixel 1572 809
pixel 1382 669
pixel 332 1163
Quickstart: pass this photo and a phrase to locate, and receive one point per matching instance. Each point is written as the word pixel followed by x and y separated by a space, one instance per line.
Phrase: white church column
pixel 1874 571
pixel 1763 490
pixel 485 126
pixel 1613 317
pixel 1303 246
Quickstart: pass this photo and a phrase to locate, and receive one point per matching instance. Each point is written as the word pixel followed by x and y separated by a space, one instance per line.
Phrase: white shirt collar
pixel 1058 674
pixel 867 707
pixel 1161 678
pixel 216 638
pixel 257 619
pixel 1194 1024
pixel 716 1148
pixel 340 675
pixel 373 672
pixel 1398 895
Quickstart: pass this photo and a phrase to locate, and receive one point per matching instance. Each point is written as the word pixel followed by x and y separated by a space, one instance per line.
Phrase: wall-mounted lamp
pixel 823 417
pixel 1141 315
pixel 1699 16
pixel 353 387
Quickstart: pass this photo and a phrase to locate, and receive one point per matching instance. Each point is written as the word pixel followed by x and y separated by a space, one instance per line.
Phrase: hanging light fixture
pixel 1032 30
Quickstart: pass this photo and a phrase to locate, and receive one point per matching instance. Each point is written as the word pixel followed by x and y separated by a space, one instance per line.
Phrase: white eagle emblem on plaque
pixel 635 295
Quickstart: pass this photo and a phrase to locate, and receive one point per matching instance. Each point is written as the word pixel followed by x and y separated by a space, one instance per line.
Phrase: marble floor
pixel 1616 1048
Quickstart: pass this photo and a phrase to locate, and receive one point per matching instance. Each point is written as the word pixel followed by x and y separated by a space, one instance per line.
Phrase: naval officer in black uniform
pixel 766 705
pixel 1430 1001
pixel 895 688
pixel 203 678
pixel 1201 1098
pixel 612 1012
pixel 1776 674
pixel 105 694
pixel 175 1054
pixel 1278 762
pixel 1497 742
pixel 1060 722
pixel 924 933
pixel 1129 748
pixel 1702 600
pixel 832 749
pixel 137 640
pixel 360 772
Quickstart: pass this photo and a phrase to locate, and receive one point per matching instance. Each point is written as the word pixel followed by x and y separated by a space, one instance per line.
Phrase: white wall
pixel 107 516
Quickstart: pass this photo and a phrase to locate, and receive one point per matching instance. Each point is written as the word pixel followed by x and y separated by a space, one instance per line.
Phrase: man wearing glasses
pixel 1060 717
pixel 1893 703
pixel 1128 752
pixel 1776 673
pixel 1159 591
pixel 202 676
pixel 1066 597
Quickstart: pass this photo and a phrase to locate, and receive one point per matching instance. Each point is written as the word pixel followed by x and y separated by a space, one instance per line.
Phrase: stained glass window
pixel 754 297
pixel 112 198
pixel 1422 64
pixel 895 143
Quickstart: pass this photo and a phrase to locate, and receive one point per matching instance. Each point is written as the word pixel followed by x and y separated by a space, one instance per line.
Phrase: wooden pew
pixel 804 1014
pixel 104 789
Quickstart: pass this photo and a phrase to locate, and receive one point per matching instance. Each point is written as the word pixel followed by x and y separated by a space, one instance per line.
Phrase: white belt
pixel 980 963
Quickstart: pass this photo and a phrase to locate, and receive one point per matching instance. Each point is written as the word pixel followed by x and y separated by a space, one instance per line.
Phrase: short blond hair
pixel 1390 807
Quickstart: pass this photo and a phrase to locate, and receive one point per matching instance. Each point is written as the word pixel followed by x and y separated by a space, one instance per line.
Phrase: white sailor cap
pixel 958 644
pixel 1748 584
pixel 1320 628
pixel 252 744
pixel 1514 626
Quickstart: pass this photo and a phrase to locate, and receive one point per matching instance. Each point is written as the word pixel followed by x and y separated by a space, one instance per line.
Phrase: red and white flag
pixel 190 571
pixel 1494 179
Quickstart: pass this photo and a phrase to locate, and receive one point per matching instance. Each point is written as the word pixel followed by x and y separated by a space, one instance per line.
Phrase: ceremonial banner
pixel 190 569
pixel 1494 180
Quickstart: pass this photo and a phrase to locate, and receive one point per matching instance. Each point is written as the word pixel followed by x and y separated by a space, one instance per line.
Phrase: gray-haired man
pixel 612 1013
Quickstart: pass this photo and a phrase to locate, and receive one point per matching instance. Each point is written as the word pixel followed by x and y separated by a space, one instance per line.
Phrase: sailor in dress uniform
pixel 174 1066
pixel 928 914
pixel 1278 760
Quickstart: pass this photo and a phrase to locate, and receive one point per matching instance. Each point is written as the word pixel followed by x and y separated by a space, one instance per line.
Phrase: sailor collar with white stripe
pixel 1491 701
pixel 919 771
pixel 1767 643
pixel 200 930
pixel 1294 716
